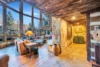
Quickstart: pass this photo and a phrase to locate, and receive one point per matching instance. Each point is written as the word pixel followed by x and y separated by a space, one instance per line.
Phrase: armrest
pixel 4 60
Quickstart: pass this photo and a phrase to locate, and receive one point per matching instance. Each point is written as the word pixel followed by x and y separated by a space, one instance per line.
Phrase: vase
pixel 56 49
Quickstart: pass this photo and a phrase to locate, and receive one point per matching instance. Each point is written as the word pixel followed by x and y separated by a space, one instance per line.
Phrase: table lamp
pixel 29 33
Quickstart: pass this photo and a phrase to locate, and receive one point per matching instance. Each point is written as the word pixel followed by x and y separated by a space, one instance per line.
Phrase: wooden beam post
pixel 88 36
pixel 40 23
pixel 21 16
pixel 5 22
pixel 33 28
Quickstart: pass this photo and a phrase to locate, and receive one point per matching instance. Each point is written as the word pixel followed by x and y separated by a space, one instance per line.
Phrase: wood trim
pixel 88 36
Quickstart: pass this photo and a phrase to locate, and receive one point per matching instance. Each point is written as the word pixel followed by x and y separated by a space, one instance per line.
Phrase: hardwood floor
pixel 74 56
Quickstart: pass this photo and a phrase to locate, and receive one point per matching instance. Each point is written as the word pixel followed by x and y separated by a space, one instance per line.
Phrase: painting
pixel 78 30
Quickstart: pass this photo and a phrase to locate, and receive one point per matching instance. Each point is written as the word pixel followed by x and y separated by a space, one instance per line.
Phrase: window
pixel 37 23
pixel 12 23
pixel 45 20
pixel 1 25
pixel 1 21
pixel 14 5
pixel 27 9
pixel 36 12
pixel 27 23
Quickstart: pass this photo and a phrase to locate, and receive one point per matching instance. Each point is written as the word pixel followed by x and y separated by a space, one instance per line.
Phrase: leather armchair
pixel 4 60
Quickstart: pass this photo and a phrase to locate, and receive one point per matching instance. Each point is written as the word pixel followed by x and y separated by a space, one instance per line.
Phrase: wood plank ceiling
pixel 64 8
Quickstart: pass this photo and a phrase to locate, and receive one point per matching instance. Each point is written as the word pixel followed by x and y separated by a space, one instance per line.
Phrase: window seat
pixel 6 44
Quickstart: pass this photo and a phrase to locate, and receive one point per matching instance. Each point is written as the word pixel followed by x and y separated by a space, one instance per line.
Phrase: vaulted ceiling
pixel 64 8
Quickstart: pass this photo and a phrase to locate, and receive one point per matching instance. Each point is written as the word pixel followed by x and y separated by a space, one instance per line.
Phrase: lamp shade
pixel 29 33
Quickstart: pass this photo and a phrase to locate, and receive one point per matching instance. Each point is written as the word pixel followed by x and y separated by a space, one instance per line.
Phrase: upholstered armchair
pixel 21 48
pixel 4 60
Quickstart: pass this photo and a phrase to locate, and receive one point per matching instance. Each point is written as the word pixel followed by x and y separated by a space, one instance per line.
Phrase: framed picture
pixel 78 30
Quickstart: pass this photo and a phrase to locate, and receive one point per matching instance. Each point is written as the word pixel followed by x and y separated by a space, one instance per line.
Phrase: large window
pixel 27 9
pixel 36 13
pixel 37 26
pixel 27 23
pixel 12 22
pixel 37 23
pixel 14 5
pixel 1 24
pixel 45 19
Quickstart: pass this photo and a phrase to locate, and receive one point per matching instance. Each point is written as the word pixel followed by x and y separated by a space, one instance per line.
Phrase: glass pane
pixel 37 23
pixel 1 21
pixel 45 20
pixel 13 27
pixel 1 25
pixel 27 23
pixel 43 16
pixel 27 9
pixel 36 13
pixel 14 5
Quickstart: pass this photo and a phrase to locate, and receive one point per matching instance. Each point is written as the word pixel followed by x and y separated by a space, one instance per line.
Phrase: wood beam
pixel 32 19
pixel 21 16
pixel 5 22
pixel 88 36
pixel 40 23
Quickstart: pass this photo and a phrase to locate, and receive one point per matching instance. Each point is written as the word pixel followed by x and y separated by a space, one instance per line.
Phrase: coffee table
pixel 31 45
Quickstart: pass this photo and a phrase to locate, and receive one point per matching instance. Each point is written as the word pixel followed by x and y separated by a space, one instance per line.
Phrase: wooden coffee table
pixel 31 45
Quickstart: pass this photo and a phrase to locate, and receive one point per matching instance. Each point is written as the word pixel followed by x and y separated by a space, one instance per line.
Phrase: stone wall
pixel 66 34
pixel 61 32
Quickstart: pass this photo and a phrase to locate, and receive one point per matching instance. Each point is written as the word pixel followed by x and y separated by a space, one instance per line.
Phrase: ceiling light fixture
pixel 73 18
pixel 77 23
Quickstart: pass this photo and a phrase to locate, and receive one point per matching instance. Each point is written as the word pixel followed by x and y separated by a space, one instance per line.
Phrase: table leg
pixel 30 51
pixel 36 50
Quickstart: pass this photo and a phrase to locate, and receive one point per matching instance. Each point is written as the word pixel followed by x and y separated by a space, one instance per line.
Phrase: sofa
pixel 21 47
pixel 4 60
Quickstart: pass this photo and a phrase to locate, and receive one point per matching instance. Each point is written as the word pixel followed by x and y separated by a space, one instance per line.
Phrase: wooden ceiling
pixel 65 8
